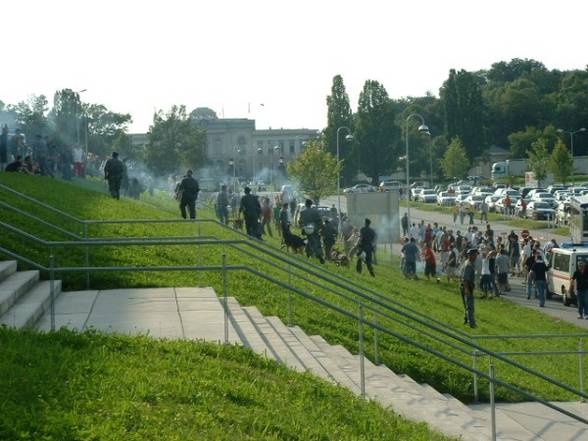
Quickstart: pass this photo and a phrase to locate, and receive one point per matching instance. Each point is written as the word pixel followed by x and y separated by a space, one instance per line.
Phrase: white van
pixel 563 263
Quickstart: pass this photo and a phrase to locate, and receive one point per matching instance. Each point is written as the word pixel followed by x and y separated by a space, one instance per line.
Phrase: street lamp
pixel 259 152
pixel 422 128
pixel 349 137
pixel 430 158
pixel 572 133
pixel 276 148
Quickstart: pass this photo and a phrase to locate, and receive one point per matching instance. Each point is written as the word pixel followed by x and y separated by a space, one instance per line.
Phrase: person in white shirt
pixel 78 160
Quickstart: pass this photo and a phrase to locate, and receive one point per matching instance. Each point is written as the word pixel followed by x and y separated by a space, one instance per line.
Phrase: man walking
pixel 251 211
pixel 188 193
pixel 222 205
pixel 329 237
pixel 468 283
pixel 410 251
pixel 367 238
pixel 580 281
pixel 538 270
pixel 113 173
pixel 404 222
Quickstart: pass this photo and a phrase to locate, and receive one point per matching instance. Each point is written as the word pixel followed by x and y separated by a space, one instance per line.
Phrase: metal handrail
pixel 359 317
pixel 348 281
pixel 149 241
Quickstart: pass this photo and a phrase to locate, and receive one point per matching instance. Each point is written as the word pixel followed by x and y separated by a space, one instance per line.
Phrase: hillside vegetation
pixel 438 301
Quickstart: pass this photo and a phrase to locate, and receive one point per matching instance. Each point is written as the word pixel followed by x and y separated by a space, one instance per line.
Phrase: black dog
pixel 293 242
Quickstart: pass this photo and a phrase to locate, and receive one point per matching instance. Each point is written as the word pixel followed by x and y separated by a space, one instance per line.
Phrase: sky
pixel 269 60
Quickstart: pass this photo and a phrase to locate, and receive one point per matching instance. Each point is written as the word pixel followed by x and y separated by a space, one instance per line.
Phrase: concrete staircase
pixel 23 297
pixel 197 313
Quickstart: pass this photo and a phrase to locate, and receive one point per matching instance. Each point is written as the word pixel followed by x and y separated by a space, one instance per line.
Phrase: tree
pixel 561 163
pixel 31 116
pixel 461 95
pixel 539 160
pixel 455 161
pixel 376 137
pixel 104 127
pixel 339 115
pixel 316 170
pixel 174 142
pixel 64 117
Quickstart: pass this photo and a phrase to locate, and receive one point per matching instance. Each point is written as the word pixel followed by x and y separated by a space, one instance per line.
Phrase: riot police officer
pixel 311 221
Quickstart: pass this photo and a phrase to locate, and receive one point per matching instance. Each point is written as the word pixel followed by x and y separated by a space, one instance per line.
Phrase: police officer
pixel 468 283
pixel 329 237
pixel 113 173
pixel 367 238
pixel 310 216
pixel 251 211
pixel 188 189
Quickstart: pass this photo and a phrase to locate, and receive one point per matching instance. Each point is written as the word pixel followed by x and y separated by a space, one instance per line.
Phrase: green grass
pixel 439 301
pixel 66 386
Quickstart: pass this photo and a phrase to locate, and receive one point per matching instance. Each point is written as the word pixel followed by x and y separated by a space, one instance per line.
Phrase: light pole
pixel 422 128
pixel 349 137
pixel 572 133
pixel 430 158
pixel 257 152
pixel 276 148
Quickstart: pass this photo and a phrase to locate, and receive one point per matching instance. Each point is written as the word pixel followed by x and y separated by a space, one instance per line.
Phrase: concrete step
pixel 407 397
pixel 303 355
pixel 273 341
pixel 7 267
pixel 247 331
pixel 29 308
pixel 14 286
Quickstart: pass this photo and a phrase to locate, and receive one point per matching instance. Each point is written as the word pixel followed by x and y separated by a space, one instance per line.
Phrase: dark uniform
pixel 251 211
pixel 329 237
pixel 468 284
pixel 311 216
pixel 367 237
pixel 222 206
pixel 113 173
pixel 189 190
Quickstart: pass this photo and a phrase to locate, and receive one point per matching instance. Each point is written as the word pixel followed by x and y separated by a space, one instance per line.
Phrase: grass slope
pixel 441 302
pixel 66 386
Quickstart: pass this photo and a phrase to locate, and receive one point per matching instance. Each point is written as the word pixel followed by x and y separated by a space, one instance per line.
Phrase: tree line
pixel 518 105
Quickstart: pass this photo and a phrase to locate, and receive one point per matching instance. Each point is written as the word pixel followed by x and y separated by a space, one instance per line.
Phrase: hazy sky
pixel 137 56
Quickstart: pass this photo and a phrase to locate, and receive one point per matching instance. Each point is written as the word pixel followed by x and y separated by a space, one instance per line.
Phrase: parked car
pixel 540 210
pixel 531 192
pixel 427 195
pixel 440 188
pixel 563 263
pixel 474 200
pixel 544 197
pixel 460 198
pixel 491 201
pixel 553 188
pixel 360 188
pixel 445 199
pixel 415 193
pixel 389 186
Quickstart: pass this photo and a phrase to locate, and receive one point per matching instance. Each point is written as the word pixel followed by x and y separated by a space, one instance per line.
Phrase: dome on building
pixel 203 113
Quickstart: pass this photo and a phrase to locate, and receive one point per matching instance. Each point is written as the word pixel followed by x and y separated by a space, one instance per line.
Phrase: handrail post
pixel 581 365
pixel 289 296
pixel 474 366
pixel 361 353
pixel 376 349
pixel 86 255
pixel 225 302
pixel 52 287
pixel 492 402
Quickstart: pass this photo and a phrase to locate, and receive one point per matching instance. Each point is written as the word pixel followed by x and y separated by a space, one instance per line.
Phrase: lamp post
pixel 430 158
pixel 349 137
pixel 422 128
pixel 276 148
pixel 259 151
pixel 572 133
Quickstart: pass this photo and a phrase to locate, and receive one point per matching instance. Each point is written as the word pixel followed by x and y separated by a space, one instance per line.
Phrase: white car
pixel 389 185
pixel 415 193
pixel 474 200
pixel 540 210
pixel 460 198
pixel 445 199
pixel 491 201
pixel 544 197
pixel 360 188
pixel 427 195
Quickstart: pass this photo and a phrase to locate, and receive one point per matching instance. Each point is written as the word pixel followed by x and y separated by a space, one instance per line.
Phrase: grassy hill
pixel 440 302
pixel 66 386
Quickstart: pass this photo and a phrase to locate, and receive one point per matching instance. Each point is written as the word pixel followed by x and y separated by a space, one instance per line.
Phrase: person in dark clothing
pixel 284 219
pixel 15 166
pixel 311 222
pixel 468 283
pixel 222 205
pixel 329 237
pixel 580 281
pixel 528 265
pixel 4 148
pixel 113 173
pixel 66 162
pixel 538 270
pixel 404 222
pixel 365 247
pixel 410 252
pixel 251 210
pixel 188 193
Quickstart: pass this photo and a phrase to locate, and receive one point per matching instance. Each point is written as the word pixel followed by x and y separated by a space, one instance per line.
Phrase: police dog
pixel 293 242
pixel 339 258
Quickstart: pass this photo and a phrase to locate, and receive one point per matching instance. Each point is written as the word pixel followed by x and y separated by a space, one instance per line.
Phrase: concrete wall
pixel 381 209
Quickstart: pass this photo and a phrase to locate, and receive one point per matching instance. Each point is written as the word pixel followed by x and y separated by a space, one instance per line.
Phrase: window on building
pixel 292 146
pixel 281 145
pixel 259 144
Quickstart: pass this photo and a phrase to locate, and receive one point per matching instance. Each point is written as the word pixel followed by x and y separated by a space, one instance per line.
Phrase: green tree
pixel 339 115
pixel 461 95
pixel 104 127
pixel 539 160
pixel 455 161
pixel 31 116
pixel 174 142
pixel 561 163
pixel 376 137
pixel 315 170
pixel 64 117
